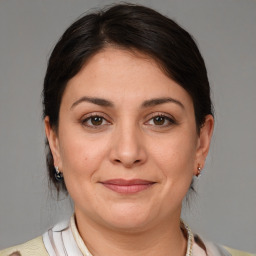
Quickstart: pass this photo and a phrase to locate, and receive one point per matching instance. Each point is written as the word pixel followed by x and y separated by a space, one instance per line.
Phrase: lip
pixel 123 186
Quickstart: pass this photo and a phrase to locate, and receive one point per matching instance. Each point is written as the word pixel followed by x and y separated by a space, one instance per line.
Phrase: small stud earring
pixel 198 172
pixel 58 174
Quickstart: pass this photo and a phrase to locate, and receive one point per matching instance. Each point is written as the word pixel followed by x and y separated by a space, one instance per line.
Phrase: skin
pixel 132 137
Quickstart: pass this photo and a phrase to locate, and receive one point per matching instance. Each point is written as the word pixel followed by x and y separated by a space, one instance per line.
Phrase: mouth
pixel 123 186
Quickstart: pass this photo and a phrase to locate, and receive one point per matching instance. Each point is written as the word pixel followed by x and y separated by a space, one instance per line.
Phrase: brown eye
pixel 159 120
pixel 96 120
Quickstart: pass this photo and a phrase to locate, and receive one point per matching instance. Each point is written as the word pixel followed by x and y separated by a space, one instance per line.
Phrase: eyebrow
pixel 97 101
pixel 158 101
pixel 108 103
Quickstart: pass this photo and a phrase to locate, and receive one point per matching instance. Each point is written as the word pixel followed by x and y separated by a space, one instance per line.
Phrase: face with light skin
pixel 122 120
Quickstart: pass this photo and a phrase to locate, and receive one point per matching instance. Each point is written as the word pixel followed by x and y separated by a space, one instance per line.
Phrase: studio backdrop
pixel 224 206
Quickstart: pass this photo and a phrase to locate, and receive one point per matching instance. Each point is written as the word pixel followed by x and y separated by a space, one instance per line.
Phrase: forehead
pixel 121 75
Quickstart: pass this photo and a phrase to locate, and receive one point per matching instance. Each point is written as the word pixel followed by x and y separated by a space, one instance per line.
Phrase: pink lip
pixel 127 186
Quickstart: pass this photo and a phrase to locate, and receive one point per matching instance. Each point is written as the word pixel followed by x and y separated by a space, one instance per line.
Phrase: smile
pixel 127 186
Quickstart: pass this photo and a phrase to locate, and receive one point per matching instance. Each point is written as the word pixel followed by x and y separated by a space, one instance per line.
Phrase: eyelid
pixel 168 116
pixel 163 114
pixel 87 116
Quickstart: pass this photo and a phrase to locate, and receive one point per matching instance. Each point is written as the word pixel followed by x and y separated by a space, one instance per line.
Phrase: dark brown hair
pixel 131 27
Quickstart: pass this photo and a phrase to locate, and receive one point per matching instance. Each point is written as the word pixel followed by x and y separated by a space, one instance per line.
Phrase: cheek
pixel 177 170
pixel 176 156
pixel 80 159
pixel 80 156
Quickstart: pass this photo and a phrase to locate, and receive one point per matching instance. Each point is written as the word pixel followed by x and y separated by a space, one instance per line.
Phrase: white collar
pixel 64 240
pixel 60 241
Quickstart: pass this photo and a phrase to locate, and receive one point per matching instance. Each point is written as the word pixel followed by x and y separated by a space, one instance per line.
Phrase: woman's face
pixel 127 142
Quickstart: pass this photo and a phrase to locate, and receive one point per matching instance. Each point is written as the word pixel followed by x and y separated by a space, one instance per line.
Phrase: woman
pixel 129 120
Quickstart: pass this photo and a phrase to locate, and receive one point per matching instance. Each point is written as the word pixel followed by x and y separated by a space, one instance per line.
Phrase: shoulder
pixel 219 250
pixel 30 248
pixel 234 252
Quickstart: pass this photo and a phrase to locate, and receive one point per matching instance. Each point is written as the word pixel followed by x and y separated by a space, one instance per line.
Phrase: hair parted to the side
pixel 131 27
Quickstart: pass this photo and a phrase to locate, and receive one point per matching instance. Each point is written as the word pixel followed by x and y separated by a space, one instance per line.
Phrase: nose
pixel 128 148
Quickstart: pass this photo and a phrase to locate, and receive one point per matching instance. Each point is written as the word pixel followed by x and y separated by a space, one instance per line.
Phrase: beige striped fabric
pixel 33 247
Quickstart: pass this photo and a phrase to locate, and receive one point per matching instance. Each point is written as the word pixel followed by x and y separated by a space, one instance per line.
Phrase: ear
pixel 53 140
pixel 204 141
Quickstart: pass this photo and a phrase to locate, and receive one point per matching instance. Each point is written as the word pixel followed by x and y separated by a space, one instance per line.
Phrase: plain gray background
pixel 224 210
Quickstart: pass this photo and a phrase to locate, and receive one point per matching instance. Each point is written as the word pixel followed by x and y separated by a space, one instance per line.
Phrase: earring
pixel 198 172
pixel 58 174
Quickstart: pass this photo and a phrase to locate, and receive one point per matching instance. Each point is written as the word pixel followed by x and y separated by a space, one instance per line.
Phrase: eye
pixel 161 120
pixel 95 121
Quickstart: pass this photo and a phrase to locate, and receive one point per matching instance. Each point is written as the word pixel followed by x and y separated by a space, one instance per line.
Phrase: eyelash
pixel 89 117
pixel 167 118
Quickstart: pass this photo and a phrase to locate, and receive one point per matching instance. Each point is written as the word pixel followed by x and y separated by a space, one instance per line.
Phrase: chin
pixel 129 218
pixel 129 225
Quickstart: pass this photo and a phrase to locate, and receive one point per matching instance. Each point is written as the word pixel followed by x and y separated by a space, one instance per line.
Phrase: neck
pixel 162 239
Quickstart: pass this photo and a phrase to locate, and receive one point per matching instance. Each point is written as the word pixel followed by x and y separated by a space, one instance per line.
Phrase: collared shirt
pixel 64 240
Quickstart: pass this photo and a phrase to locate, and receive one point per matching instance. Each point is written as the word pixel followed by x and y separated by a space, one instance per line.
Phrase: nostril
pixel 126 163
